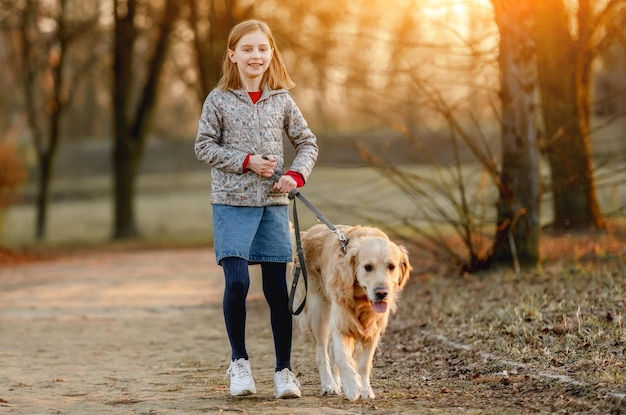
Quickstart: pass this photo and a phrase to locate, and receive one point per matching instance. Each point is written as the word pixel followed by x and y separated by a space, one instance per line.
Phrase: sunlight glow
pixel 443 9
pixel 454 15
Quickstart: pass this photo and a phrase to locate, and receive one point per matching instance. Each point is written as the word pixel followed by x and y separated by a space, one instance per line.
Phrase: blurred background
pixel 424 111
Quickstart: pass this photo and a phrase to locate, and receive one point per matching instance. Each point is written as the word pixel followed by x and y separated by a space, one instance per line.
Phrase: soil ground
pixel 141 332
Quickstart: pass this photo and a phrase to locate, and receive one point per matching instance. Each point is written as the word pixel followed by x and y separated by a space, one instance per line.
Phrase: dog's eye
pixel 368 267
pixel 391 267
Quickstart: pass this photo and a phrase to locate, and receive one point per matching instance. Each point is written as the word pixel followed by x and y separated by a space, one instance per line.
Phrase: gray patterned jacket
pixel 231 127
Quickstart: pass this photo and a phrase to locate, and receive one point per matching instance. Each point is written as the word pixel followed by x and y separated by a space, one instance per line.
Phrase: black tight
pixel 237 279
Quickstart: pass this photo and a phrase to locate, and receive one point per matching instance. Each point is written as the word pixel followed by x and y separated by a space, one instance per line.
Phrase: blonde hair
pixel 276 76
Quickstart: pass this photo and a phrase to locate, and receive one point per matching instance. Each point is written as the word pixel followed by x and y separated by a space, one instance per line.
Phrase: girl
pixel 240 135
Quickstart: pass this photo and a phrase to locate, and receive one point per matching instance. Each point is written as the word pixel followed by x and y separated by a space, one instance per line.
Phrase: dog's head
pixel 381 268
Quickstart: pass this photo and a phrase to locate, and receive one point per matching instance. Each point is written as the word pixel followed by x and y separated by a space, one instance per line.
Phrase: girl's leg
pixel 237 284
pixel 275 290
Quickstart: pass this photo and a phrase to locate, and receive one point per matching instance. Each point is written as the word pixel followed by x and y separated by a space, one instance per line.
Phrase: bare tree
pixel 445 197
pixel 517 232
pixel 46 84
pixel 132 119
pixel 564 68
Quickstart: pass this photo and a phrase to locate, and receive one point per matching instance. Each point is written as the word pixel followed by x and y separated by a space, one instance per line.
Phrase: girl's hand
pixel 262 165
pixel 285 184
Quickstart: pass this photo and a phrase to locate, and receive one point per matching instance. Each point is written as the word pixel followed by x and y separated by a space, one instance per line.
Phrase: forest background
pixel 490 119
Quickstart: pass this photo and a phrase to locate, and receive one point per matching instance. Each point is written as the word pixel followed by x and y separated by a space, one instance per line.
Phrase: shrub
pixel 12 175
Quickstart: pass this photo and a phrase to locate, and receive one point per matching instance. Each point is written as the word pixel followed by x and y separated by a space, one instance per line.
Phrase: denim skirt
pixel 256 234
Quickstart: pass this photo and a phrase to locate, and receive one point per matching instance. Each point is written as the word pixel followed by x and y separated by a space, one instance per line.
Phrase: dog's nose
pixel 381 293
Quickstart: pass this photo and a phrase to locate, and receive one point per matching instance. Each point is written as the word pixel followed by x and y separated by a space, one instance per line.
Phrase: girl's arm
pixel 303 140
pixel 207 146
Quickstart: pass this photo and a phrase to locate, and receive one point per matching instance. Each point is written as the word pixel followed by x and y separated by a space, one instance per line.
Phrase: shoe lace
pixel 288 377
pixel 238 369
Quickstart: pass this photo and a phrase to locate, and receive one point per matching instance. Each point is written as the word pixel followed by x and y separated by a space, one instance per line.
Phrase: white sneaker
pixel 286 385
pixel 241 382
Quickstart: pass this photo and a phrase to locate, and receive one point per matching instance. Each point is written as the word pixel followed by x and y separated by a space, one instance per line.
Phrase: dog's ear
pixel 405 267
pixel 351 262
pixel 343 267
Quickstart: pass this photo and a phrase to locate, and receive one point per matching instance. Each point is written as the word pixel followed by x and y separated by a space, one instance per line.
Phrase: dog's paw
pixel 352 393
pixel 331 389
pixel 367 393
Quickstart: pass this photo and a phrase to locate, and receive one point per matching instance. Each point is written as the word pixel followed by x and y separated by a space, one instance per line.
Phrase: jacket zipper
pixel 259 146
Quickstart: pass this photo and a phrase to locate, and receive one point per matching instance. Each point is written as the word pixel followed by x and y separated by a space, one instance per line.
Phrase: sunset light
pixel 459 16
pixel 439 9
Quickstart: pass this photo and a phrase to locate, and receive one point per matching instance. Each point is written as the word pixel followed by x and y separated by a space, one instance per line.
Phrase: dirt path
pixel 142 333
pixel 134 333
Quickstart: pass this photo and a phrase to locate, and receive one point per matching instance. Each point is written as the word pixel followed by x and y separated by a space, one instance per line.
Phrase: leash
pixel 301 266
pixel 342 238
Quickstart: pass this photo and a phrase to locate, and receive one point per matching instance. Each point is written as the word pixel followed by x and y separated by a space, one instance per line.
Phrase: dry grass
pixel 552 339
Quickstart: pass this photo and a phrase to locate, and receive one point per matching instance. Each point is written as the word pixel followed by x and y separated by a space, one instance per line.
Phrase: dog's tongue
pixel 379 306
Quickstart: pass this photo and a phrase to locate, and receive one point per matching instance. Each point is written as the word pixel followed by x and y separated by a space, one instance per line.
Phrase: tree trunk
pixel 566 119
pixel 517 233
pixel 131 131
pixel 123 174
pixel 46 145
pixel 126 156
pixel 47 158
pixel 43 192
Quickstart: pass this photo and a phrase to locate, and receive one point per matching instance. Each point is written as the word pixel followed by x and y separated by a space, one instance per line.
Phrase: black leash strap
pixel 341 236
pixel 301 266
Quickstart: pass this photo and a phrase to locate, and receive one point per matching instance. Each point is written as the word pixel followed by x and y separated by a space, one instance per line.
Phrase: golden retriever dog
pixel 349 299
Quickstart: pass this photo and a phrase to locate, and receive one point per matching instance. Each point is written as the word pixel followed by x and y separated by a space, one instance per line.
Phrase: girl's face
pixel 252 55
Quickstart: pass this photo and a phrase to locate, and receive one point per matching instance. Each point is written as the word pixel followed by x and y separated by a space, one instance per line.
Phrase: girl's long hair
pixel 276 76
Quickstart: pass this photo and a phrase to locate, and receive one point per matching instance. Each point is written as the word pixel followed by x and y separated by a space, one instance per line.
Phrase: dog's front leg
pixel 327 380
pixel 317 313
pixel 343 347
pixel 365 360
